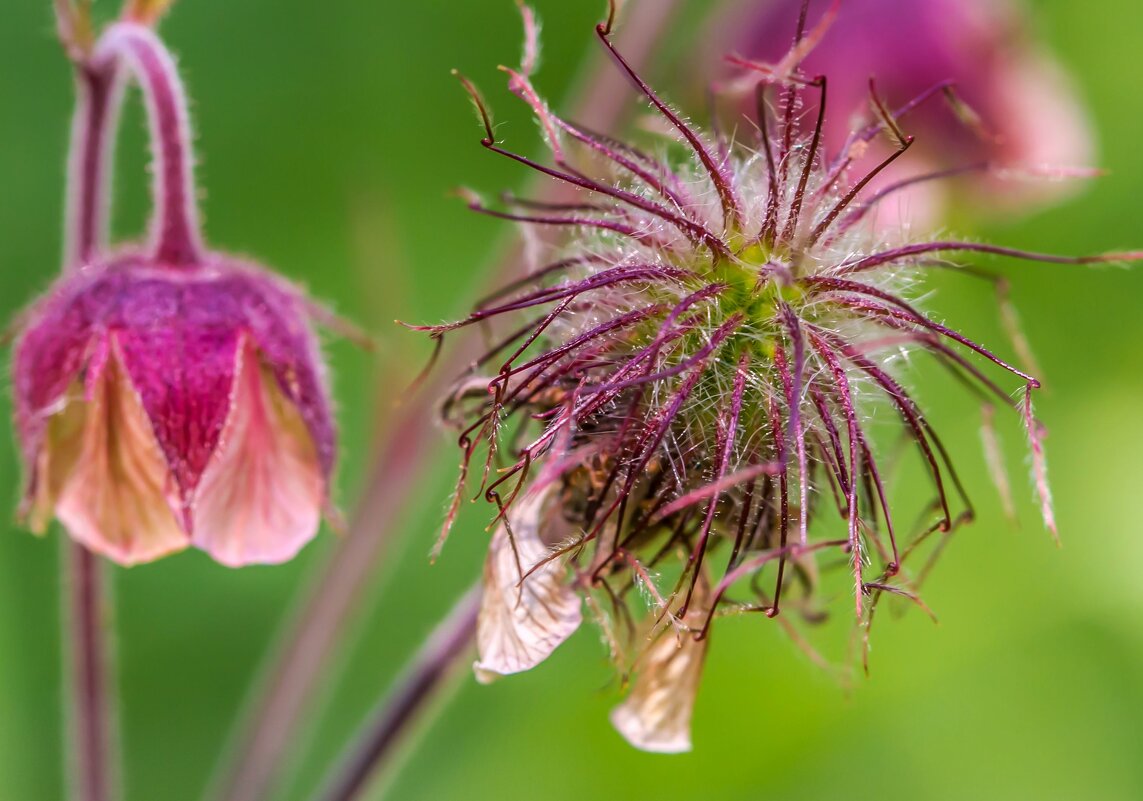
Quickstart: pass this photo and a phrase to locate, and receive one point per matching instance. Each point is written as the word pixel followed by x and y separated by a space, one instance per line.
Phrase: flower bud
pixel 167 395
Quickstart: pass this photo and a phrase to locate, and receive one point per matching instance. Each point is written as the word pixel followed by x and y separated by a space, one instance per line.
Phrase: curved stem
pixel 91 734
pixel 374 746
pixel 175 234
pixel 314 633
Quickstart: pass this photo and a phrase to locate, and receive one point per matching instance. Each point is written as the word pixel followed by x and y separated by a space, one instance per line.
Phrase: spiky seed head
pixel 682 399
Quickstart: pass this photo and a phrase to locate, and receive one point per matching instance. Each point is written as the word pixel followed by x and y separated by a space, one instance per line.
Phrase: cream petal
pixel 520 625
pixel 58 454
pixel 262 494
pixel 656 715
pixel 113 498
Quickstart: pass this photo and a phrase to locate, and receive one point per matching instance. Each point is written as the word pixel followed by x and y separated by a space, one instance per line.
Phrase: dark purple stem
pixel 98 96
pixel 175 234
pixel 374 746
pixel 91 729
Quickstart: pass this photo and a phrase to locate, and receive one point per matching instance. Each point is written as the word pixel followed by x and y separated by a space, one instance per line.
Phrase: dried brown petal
pixel 656 716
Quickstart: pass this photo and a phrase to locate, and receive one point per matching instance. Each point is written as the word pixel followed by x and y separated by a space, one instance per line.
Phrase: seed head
pixel 676 424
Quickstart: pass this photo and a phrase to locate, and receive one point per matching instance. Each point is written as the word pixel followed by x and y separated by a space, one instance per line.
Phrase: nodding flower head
pixel 1020 119
pixel 167 395
pixel 680 401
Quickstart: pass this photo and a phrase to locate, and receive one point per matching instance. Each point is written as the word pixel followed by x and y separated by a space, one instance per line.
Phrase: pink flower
pixel 1022 119
pixel 167 395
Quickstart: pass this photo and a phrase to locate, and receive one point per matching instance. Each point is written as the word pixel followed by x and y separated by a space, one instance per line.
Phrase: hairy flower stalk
pixel 167 395
pixel 684 399
pixel 94 748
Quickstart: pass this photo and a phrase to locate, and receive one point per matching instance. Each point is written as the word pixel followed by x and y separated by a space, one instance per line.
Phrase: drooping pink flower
pixel 167 395
pixel 674 421
pixel 1022 125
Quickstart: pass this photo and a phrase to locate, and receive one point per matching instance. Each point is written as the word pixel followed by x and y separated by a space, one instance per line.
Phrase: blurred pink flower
pixel 1027 126
pixel 167 395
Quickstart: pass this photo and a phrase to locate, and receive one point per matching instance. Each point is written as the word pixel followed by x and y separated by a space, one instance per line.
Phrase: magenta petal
pixel 1031 117
pixel 46 360
pixel 180 342
pixel 179 334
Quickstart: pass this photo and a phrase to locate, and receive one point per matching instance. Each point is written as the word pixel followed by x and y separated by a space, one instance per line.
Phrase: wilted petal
pixel 656 716
pixel 261 497
pixel 113 498
pixel 521 624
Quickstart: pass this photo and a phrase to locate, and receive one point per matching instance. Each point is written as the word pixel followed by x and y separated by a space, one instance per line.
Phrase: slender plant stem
pixel 98 97
pixel 92 726
pixel 315 632
pixel 375 745
pixel 92 734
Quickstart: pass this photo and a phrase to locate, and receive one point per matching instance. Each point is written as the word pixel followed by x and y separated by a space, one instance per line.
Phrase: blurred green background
pixel 329 135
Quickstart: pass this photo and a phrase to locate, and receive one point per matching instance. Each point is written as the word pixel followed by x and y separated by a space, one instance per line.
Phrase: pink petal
pixel 521 624
pixel 261 497
pixel 1044 126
